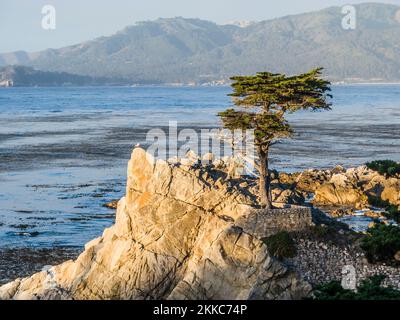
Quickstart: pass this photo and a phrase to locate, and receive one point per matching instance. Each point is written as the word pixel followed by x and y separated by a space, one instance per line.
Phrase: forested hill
pixel 21 76
pixel 180 50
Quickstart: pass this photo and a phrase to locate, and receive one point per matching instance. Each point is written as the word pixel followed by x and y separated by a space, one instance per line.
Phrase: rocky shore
pixel 190 229
pixel 22 262
pixel 344 187
pixel 345 194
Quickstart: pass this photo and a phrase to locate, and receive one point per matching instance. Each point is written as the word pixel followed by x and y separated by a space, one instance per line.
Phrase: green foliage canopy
pixel 272 95
pixel 381 243
pixel 280 93
pixel 281 245
pixel 385 167
pixel 369 289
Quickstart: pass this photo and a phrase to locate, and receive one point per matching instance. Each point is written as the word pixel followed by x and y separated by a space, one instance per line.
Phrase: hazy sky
pixel 80 20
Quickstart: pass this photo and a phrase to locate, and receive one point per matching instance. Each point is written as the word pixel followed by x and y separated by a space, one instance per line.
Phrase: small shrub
pixel 392 211
pixel 332 291
pixel 281 245
pixel 385 167
pixel 274 174
pixel 369 289
pixel 320 231
pixel 381 243
pixel 377 202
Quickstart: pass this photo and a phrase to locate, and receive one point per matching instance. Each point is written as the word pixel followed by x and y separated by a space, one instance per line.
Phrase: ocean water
pixel 63 151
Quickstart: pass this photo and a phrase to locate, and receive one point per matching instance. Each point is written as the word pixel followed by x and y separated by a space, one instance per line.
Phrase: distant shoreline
pixel 190 86
pixel 365 83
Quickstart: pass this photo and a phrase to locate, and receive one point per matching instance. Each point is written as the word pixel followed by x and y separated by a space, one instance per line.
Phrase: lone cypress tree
pixel 263 101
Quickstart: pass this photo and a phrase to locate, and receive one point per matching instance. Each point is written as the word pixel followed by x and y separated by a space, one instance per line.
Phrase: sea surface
pixel 64 151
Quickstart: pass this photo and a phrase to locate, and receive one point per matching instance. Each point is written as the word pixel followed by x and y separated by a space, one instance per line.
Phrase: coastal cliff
pixel 182 231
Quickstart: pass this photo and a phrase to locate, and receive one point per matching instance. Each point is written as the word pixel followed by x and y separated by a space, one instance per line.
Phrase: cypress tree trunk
pixel 264 180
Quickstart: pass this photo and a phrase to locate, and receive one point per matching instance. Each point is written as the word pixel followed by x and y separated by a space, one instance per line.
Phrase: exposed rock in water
pixel 355 186
pixel 340 194
pixel 310 180
pixel 339 213
pixel 175 237
pixel 342 187
pixel 391 191
pixel 111 205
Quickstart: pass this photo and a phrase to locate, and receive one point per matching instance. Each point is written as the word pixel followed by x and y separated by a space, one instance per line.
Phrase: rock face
pixel 355 186
pixel 175 237
pixel 391 191
pixel 340 191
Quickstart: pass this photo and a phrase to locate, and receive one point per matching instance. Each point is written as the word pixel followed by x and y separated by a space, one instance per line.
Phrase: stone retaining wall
pixel 263 223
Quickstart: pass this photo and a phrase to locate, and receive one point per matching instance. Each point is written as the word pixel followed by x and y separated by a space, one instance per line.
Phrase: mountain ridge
pixel 181 50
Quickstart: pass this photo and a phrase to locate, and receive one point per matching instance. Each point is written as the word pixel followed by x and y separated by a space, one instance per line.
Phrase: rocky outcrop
pixel 310 180
pixel 355 186
pixel 340 190
pixel 341 187
pixel 391 191
pixel 175 237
